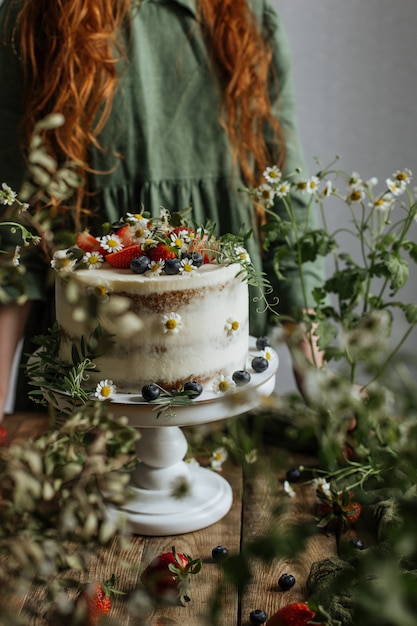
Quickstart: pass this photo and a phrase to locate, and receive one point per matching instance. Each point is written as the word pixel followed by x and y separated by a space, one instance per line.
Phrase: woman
pixel 173 103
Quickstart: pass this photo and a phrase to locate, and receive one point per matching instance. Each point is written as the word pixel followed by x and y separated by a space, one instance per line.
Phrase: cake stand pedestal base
pixel 169 496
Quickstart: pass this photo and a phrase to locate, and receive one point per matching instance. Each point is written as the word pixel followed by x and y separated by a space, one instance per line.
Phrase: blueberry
pixel 260 364
pixel 286 581
pixel 219 553
pixel 150 392
pixel 241 377
pixel 195 257
pixel 262 343
pixel 357 543
pixel 195 387
pixel 293 475
pixel 172 266
pixel 140 264
pixel 258 616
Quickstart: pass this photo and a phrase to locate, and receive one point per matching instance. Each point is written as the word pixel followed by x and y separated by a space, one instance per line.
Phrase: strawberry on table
pixel 87 242
pixel 337 511
pixel 98 598
pixel 294 614
pixel 168 576
pixel 123 258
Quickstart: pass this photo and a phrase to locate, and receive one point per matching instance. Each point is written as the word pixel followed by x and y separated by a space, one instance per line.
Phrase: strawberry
pixel 87 242
pixel 125 235
pixel 161 252
pixel 97 598
pixel 168 575
pixel 338 510
pixel 123 258
pixel 206 247
pixel 3 435
pixel 294 614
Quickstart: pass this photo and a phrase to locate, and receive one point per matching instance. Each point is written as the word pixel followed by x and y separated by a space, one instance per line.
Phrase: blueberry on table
pixel 260 364
pixel 172 266
pixel 286 582
pixel 195 388
pixel 262 343
pixel 219 553
pixel 150 392
pixel 258 616
pixel 293 475
pixel 241 377
pixel 140 264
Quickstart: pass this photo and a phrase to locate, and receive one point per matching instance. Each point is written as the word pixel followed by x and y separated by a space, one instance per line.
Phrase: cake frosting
pixel 185 327
pixel 184 296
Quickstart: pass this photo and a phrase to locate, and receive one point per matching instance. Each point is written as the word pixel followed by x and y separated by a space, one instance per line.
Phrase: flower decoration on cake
pixel 171 323
pixel 223 384
pixel 100 290
pixel 61 262
pixel 231 326
pixel 93 260
pixel 187 267
pixel 111 243
pixel 105 390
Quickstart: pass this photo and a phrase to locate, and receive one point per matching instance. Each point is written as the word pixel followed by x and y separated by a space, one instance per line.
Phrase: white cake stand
pixel 153 509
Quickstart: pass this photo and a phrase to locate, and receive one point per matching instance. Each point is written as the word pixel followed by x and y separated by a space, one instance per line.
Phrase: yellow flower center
pixel 112 243
pixel 171 324
pixel 401 176
pixel 301 186
pixel 223 386
pixel 139 232
pixel 188 267
pixel 93 260
pixel 100 291
pixel 105 391
pixel 235 325
pixel 355 196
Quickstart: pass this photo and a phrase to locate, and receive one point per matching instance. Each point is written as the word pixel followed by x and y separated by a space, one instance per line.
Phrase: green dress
pixel 165 124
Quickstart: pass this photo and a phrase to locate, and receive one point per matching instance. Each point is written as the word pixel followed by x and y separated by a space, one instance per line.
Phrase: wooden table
pixel 250 515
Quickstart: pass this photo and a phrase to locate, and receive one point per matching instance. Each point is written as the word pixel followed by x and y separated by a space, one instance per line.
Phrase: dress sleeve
pixel 282 93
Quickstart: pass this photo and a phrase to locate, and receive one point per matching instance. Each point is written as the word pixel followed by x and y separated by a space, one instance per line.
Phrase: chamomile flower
pixel 327 190
pixel 289 490
pixel 7 195
pixel 301 185
pixel 223 384
pixel 267 354
pixel 178 240
pixel 218 457
pixel 111 243
pixel 403 177
pixel 383 203
pixel 101 291
pixel 265 194
pixel 61 262
pixel 242 254
pixel 251 456
pixel 93 260
pixel 283 189
pixel 321 485
pixel 187 268
pixel 105 389
pixel 139 231
pixel 396 187
pixel 171 323
pixel 355 194
pixel 272 174
pixel 135 217
pixel 355 180
pixel 313 185
pixel 16 256
pixel 231 326
pixel 155 268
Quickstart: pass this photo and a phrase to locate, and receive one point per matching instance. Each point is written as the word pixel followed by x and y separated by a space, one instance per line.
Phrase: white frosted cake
pixel 186 307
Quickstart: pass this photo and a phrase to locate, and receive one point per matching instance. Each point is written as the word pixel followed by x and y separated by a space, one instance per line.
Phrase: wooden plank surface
pixel 259 504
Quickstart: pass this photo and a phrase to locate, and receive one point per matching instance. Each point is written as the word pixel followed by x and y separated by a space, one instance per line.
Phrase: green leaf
pixel 410 311
pixel 398 270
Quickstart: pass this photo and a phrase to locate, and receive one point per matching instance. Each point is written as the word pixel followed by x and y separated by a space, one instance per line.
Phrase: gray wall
pixel 355 71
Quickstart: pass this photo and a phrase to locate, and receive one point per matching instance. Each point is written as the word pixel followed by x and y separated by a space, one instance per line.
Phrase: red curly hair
pixel 75 74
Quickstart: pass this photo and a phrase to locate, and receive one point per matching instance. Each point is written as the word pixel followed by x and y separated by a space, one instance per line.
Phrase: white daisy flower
pixel 265 194
pixel 301 185
pixel 155 268
pixel 321 484
pixel 7 195
pixel 94 260
pixel 139 231
pixel 396 187
pixel 218 457
pixel 283 189
pixel 112 243
pixel 100 290
pixel 289 490
pixel 267 353
pixel 355 180
pixel 313 185
pixel 16 256
pixel 251 456
pixel 372 182
pixel 187 268
pixel 135 217
pixel 242 253
pixel 327 190
pixel 61 262
pixel 231 326
pixel 171 323
pixel 223 384
pixel 356 194
pixel 105 389
pixel 272 174
pixel 403 176
pixel 383 203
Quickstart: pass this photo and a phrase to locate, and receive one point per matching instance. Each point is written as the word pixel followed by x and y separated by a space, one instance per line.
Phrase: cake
pixel 184 300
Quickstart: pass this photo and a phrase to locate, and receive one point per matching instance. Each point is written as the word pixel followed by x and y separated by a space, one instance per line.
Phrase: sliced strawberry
pixel 294 614
pixel 87 242
pixel 206 247
pixel 123 258
pixel 125 235
pixel 161 252
pixel 181 230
